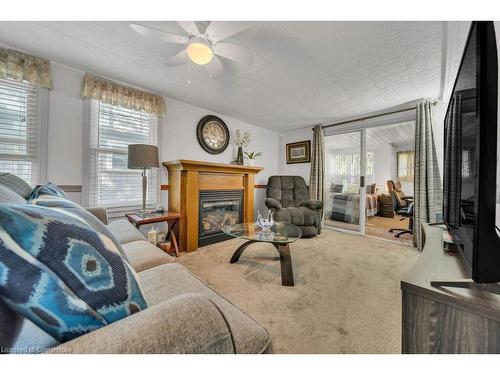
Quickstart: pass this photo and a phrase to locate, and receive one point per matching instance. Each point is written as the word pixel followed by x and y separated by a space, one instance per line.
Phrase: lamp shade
pixel 142 156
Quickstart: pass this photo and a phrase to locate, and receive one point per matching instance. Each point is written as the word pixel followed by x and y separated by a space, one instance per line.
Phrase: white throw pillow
pixel 351 189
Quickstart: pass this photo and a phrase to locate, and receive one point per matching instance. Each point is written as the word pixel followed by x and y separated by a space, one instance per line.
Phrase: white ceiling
pixel 304 73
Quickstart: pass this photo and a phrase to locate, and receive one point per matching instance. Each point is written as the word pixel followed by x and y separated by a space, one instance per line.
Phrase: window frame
pixel 39 134
pixel 91 119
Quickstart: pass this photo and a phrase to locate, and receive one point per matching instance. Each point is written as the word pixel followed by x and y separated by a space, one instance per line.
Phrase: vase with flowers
pixel 242 140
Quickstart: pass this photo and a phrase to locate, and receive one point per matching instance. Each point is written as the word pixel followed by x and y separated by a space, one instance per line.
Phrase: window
pixel 20 131
pixel 111 129
pixel 350 164
pixel 405 165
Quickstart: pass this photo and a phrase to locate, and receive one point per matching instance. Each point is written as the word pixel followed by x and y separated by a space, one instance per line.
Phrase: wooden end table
pixel 171 218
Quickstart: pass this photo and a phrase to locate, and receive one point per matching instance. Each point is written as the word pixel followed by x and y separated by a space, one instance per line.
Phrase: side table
pixel 385 207
pixel 171 218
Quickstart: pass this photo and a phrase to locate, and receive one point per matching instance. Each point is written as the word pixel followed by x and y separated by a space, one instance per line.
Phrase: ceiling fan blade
pixel 189 27
pixel 219 30
pixel 178 59
pixel 159 34
pixel 234 52
pixel 214 67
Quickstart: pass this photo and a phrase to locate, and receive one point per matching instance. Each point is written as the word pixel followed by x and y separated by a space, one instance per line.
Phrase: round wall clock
pixel 212 134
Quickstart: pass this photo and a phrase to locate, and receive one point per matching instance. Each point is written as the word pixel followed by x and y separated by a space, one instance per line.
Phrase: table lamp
pixel 142 156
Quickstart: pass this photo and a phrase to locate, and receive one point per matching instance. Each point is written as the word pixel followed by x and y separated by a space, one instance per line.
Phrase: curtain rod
pixel 435 102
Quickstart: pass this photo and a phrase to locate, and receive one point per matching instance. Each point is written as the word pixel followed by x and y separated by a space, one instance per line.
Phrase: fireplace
pixel 218 208
pixel 188 178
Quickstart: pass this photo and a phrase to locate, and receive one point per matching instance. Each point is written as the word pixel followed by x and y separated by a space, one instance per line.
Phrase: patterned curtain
pixel 453 161
pixel 25 68
pixel 317 175
pixel 427 191
pixel 116 94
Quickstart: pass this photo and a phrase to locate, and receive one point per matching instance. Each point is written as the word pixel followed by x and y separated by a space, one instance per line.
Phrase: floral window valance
pixel 116 94
pixel 25 68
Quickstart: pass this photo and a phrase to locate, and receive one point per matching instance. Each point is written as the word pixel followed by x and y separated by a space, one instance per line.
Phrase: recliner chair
pixel 403 206
pixel 288 199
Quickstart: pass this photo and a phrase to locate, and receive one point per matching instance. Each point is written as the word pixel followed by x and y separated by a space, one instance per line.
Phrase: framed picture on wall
pixel 298 152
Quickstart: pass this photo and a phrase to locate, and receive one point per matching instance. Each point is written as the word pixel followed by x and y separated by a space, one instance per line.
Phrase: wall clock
pixel 212 134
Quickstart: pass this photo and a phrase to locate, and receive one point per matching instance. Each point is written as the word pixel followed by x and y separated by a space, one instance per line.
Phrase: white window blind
pixel 19 130
pixel 111 130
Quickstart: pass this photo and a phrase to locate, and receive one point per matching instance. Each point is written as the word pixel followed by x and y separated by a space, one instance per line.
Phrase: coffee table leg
pixel 239 251
pixel 286 265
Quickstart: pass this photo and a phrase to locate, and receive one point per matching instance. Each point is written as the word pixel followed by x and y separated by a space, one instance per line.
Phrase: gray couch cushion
pixel 169 280
pixel 9 196
pixel 143 255
pixel 16 184
pixel 125 232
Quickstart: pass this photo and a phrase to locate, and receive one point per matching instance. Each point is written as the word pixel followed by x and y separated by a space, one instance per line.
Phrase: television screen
pixel 461 136
pixel 469 183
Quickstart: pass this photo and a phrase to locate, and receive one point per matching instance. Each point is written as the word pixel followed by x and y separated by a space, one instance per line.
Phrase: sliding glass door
pixel 345 162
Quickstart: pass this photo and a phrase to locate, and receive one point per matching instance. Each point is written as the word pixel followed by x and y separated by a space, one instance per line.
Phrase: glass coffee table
pixel 280 235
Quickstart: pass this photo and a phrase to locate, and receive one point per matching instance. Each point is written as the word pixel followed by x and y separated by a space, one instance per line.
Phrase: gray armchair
pixel 288 198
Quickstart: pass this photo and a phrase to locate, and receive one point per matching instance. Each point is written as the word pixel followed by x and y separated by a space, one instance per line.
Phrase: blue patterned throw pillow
pixel 47 199
pixel 48 189
pixel 57 271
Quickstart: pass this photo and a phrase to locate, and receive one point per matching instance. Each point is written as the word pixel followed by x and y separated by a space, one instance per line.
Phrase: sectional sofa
pixel 184 315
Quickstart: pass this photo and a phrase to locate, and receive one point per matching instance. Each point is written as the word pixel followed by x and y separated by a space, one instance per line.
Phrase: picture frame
pixel 298 152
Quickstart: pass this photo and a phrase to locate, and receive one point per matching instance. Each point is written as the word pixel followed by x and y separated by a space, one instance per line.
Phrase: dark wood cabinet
pixel 445 319
pixel 385 207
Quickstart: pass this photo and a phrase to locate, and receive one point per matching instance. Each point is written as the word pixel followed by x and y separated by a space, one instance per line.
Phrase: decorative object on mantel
pixel 125 96
pixel 25 68
pixel 213 135
pixel 242 140
pixel 251 156
pixel 142 156
pixel 298 152
pixel 202 48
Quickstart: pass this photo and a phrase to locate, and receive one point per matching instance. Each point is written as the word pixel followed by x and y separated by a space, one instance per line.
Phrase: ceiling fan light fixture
pixel 200 51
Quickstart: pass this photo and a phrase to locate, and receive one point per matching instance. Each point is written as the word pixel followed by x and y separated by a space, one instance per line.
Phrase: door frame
pixel 362 171
pixel 362 127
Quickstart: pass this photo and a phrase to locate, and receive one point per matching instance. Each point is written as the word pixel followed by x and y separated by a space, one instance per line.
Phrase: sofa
pixel 184 315
pixel 288 198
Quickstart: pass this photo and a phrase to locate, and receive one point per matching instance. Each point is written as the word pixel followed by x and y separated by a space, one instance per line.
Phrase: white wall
pixel 384 165
pixel 177 141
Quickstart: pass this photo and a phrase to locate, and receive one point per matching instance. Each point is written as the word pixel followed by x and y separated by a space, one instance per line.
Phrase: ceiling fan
pixel 202 48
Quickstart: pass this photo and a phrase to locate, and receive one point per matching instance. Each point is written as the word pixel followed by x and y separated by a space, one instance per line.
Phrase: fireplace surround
pixel 188 178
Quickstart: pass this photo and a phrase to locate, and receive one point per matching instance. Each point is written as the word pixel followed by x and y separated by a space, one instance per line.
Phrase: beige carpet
pixel 346 297
pixel 378 226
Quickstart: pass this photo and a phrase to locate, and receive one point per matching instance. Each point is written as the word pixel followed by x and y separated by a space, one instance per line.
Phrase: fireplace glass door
pixel 217 209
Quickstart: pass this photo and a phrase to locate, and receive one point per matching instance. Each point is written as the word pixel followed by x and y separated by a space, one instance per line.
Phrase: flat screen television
pixel 470 156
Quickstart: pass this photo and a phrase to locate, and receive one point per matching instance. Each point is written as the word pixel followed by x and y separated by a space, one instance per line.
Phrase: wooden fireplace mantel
pixel 186 178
